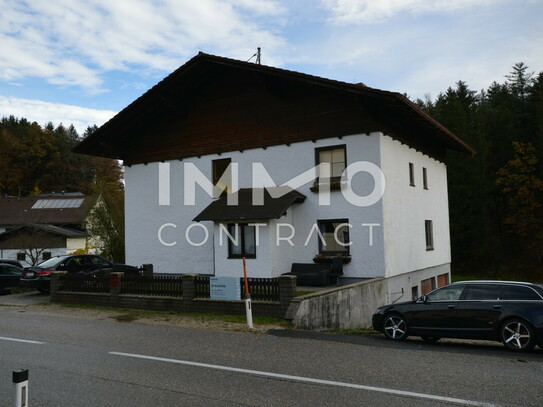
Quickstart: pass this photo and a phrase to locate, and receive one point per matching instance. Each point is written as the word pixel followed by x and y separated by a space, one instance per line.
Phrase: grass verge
pixel 129 315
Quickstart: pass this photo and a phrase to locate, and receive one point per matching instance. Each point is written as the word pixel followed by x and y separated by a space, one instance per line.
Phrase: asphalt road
pixel 76 361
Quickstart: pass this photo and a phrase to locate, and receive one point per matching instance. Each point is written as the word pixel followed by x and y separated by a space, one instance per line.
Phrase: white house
pixel 242 127
pixel 36 228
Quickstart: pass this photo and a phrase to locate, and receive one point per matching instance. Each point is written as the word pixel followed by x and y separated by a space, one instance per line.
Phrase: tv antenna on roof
pixel 257 55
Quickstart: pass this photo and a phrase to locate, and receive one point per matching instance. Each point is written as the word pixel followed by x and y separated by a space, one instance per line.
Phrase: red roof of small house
pixel 214 104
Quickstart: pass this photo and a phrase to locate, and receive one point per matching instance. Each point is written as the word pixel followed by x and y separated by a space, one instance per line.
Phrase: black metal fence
pixel 84 283
pixel 261 289
pixel 201 287
pixel 171 286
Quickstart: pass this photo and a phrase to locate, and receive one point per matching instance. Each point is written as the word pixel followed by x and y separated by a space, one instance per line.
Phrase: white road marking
pixel 3 338
pixel 311 380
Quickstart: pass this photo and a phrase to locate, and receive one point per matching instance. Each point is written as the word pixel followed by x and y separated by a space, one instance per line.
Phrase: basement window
pixel 21 256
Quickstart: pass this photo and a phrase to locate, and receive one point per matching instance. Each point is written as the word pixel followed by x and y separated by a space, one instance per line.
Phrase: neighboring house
pixel 33 229
pixel 216 117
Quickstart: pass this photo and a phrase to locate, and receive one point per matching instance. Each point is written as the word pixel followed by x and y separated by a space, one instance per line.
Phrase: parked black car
pixel 12 262
pixel 39 276
pixel 506 311
pixel 10 276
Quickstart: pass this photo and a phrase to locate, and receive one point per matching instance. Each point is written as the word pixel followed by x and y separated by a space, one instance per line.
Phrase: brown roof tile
pixel 273 208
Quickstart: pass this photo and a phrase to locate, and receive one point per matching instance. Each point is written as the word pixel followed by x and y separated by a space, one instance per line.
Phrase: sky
pixel 81 61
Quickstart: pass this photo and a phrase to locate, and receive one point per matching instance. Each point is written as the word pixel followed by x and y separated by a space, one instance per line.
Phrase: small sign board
pixel 224 288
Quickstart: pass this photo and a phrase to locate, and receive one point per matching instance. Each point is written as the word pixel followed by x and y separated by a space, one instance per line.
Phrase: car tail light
pixel 43 272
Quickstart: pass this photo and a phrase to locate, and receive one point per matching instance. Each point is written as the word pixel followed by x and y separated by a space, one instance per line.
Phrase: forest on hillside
pixel 35 160
pixel 495 197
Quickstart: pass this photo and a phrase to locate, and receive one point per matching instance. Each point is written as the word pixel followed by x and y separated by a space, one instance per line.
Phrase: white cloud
pixel 75 42
pixel 57 113
pixel 364 11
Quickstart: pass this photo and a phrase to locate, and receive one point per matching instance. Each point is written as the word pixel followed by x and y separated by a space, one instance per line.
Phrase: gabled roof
pixel 273 208
pixel 367 108
pixel 52 210
pixel 54 230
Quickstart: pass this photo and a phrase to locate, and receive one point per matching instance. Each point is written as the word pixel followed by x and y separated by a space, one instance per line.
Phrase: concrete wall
pixel 348 307
pixel 352 306
pixel 144 215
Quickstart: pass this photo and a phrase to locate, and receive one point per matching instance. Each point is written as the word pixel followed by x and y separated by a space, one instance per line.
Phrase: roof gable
pixel 213 104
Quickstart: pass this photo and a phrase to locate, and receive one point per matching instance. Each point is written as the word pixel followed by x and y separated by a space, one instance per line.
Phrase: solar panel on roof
pixel 57 203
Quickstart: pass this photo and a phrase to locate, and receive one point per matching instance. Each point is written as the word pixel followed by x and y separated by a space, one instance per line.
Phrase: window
pixel 411 174
pixel 427 285
pixel 244 242
pixel 335 234
pixel 46 256
pixel 442 279
pixel 218 169
pixel 21 256
pixel 415 292
pixel 482 292
pixel 449 293
pixel 336 156
pixel 429 231
pixel 520 293
pixel 424 178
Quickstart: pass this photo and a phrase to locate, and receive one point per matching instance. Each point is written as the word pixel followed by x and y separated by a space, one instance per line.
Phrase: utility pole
pixel 258 56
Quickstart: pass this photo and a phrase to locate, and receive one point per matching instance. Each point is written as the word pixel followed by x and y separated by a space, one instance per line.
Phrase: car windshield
pixel 53 261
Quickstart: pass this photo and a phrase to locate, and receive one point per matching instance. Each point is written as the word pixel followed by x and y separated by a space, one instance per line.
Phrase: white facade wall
pixel 407 207
pixel 144 215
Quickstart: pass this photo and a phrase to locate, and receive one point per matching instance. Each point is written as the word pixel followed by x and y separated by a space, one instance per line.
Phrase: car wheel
pixel 395 327
pixel 517 335
pixel 430 339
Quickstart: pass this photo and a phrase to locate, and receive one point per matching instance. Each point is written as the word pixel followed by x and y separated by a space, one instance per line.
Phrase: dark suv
pixel 506 311
pixel 39 276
